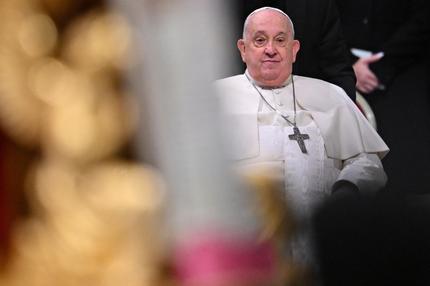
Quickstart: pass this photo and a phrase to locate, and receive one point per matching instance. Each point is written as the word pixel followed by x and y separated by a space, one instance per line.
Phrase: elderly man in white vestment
pixel 305 132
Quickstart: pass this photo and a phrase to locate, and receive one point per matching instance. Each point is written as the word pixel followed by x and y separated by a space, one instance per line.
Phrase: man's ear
pixel 295 48
pixel 241 47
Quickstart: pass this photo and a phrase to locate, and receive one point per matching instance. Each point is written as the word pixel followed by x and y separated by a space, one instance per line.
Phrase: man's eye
pixel 281 41
pixel 260 41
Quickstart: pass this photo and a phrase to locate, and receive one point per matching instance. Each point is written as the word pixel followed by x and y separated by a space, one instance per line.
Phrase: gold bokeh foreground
pixel 95 218
pixel 64 90
pixel 100 226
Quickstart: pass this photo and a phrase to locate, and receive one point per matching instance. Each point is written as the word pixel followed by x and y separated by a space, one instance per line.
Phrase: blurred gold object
pixel 36 78
pixel 98 41
pixel 64 10
pixel 279 226
pixel 279 222
pixel 100 225
pixel 95 218
pixel 37 35
pixel 20 112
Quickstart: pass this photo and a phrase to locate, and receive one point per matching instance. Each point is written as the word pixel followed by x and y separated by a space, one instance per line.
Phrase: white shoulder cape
pixel 346 132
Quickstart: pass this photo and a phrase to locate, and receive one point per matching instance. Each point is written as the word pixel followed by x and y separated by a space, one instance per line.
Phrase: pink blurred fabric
pixel 213 259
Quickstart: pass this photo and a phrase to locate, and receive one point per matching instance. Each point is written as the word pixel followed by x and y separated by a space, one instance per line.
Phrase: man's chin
pixel 270 75
pixel 272 79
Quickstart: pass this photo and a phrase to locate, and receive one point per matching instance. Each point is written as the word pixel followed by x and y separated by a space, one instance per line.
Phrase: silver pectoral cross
pixel 300 138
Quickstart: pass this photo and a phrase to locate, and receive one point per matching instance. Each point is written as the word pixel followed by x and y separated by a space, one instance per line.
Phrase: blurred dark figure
pixel 394 78
pixel 384 240
pixel 323 52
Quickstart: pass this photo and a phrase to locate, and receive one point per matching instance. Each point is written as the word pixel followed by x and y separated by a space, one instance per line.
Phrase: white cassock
pixel 342 145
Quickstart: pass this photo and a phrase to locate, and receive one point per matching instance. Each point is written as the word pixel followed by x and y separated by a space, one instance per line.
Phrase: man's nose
pixel 270 49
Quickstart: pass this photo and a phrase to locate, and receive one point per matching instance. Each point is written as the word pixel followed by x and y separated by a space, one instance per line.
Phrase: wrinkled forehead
pixel 268 20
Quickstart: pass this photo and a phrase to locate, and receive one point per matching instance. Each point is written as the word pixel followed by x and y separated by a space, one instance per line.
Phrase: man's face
pixel 268 48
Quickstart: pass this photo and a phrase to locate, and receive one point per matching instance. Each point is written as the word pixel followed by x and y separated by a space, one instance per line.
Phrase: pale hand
pixel 367 81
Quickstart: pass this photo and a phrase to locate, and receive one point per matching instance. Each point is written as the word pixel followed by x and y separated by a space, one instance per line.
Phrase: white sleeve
pixel 365 171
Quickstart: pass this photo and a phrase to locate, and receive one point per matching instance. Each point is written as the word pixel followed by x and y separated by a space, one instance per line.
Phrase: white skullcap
pixel 267 8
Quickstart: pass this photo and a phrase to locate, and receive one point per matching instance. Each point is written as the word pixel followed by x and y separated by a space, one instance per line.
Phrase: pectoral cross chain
pixel 300 138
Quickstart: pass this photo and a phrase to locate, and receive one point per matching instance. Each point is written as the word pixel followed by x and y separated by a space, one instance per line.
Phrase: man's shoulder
pixel 316 83
pixel 319 94
pixel 231 80
pixel 232 86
